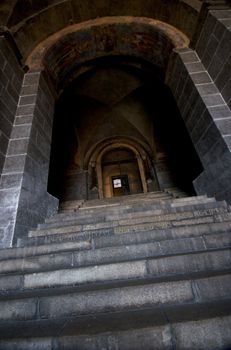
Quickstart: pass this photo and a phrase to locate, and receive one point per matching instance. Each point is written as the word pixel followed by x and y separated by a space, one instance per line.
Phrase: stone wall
pixel 11 75
pixel 208 120
pixel 214 49
pixel 24 197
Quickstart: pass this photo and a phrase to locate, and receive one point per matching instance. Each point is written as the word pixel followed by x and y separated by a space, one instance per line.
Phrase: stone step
pixel 127 198
pixel 136 269
pixel 109 249
pixel 175 192
pixel 134 212
pixel 169 335
pixel 135 225
pixel 74 205
pixel 108 237
pixel 50 315
pixel 83 254
pixel 204 230
pixel 45 249
pixel 207 239
pixel 113 207
pixel 135 218
pixel 71 205
pixel 127 201
pixel 140 206
pixel 145 200
pixel 124 272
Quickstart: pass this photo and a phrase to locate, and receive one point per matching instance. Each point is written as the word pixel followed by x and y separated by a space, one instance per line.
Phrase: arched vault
pixel 149 39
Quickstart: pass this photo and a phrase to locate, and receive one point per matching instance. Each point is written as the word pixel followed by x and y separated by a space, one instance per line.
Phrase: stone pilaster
pixel 11 75
pixel 24 178
pixel 207 118
pixel 214 49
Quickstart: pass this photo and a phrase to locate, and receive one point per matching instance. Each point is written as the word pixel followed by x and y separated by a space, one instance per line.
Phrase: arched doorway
pixel 120 173
pixel 120 170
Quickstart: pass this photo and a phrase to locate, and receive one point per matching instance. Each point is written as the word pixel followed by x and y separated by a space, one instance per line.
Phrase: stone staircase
pixel 137 272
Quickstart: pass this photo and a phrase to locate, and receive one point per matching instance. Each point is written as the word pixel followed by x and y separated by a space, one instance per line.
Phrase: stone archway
pixel 55 62
pixel 128 163
pixel 61 53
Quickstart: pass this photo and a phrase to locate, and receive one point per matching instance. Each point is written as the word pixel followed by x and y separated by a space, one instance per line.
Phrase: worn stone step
pixel 134 225
pixel 143 263
pixel 125 272
pixel 168 205
pixel 87 254
pixel 190 334
pixel 132 212
pixel 65 255
pixel 71 204
pixel 146 202
pixel 205 230
pixel 49 314
pixel 123 203
pixel 127 198
pixel 136 205
pixel 107 237
pixel 74 205
pixel 134 218
pixel 45 249
pixel 207 240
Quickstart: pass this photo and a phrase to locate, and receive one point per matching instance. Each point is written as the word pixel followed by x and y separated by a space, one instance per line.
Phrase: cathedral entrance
pixel 120 173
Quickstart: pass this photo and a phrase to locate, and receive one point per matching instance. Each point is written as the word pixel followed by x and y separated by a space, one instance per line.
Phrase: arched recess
pixel 38 19
pixel 62 53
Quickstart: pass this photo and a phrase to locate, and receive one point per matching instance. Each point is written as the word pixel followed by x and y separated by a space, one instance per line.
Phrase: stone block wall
pixel 36 106
pixel 214 49
pixel 208 120
pixel 203 95
pixel 11 75
pixel 24 197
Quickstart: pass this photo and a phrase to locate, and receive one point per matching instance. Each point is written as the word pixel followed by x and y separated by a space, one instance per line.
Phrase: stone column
pixel 142 173
pixel 25 200
pixel 11 76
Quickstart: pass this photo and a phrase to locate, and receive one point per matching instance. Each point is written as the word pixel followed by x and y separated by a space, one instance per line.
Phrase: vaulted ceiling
pixel 14 11
pixel 32 21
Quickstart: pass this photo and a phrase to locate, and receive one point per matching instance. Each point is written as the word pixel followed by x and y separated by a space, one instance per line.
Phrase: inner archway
pixel 119 105
pixel 111 85
pixel 120 169
pixel 120 173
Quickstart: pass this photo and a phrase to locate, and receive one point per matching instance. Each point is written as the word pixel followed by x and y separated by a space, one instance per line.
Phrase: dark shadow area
pixel 172 136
